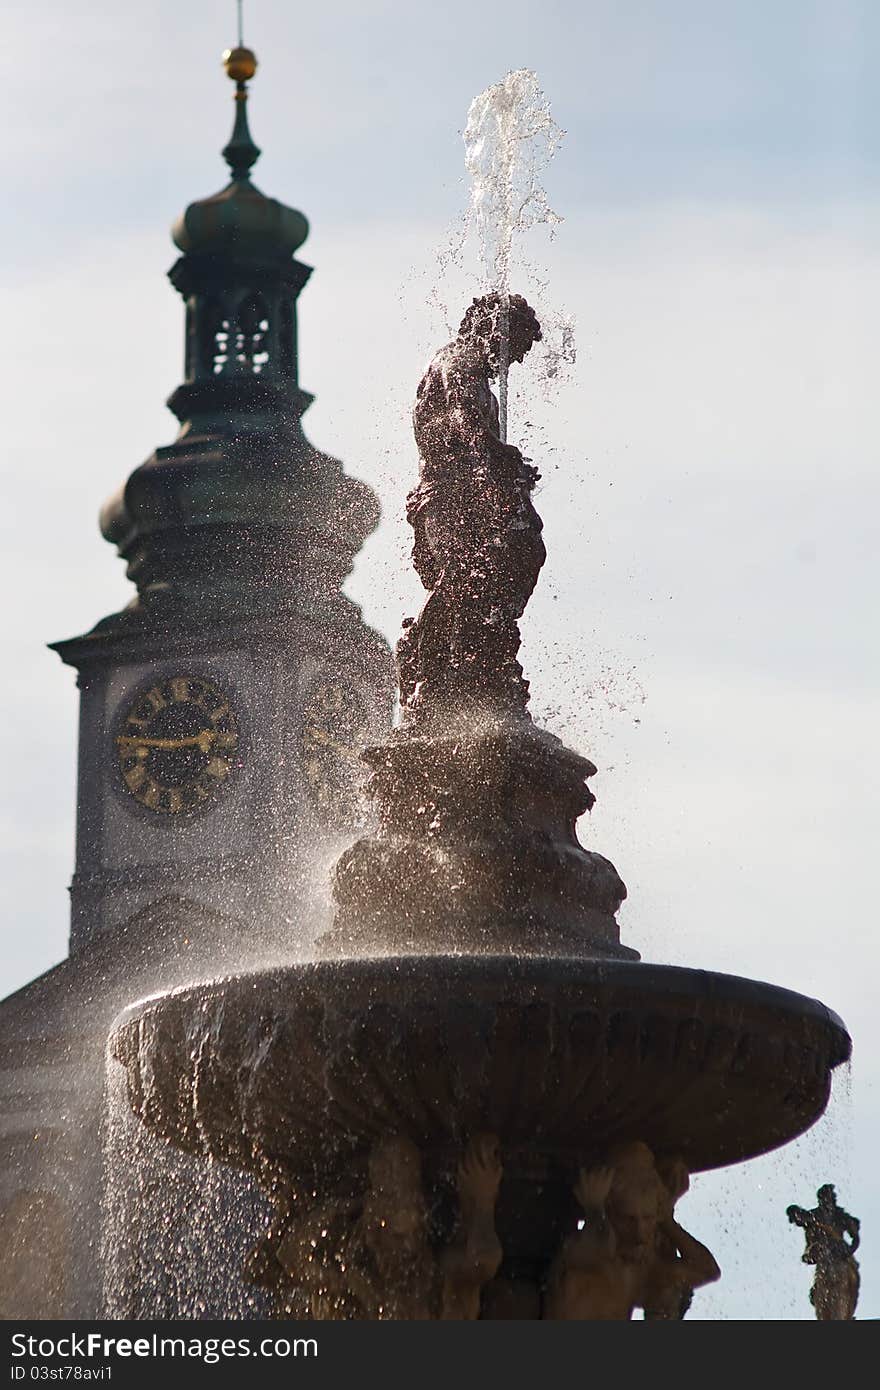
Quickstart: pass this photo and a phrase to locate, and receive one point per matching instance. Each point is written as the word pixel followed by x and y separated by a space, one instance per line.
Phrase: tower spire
pixel 241 153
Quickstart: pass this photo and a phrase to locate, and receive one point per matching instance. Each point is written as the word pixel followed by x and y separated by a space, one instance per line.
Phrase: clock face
pixel 335 727
pixel 177 745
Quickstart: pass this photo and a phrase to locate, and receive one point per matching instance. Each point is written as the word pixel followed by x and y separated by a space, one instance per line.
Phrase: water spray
pixel 509 137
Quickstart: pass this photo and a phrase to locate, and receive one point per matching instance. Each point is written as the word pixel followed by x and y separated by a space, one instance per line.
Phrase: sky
pixel 704 628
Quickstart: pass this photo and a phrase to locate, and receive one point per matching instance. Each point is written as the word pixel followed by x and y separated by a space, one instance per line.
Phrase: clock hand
pixel 202 741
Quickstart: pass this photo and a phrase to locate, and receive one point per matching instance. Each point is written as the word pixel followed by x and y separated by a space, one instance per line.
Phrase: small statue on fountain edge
pixel 826 1226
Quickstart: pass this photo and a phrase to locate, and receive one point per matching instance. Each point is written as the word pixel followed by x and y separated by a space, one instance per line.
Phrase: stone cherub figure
pixel 629 1252
pixel 372 1257
pixel 477 545
pixel 826 1226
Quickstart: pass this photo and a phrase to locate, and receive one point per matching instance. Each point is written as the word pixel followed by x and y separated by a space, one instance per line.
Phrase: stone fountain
pixel 477 1102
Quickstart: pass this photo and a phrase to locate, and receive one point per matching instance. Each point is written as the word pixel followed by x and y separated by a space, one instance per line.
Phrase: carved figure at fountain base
pixel 628 1251
pixel 373 1254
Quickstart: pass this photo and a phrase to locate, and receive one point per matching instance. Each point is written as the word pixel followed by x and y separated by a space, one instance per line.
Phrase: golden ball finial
pixel 240 64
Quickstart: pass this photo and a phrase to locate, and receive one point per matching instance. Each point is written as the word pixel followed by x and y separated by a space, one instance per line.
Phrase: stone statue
pixel 298 1258
pixel 681 1263
pixel 835 1290
pixel 389 1265
pixel 629 1252
pixel 372 1258
pixel 473 1256
pixel 470 799
pixel 478 545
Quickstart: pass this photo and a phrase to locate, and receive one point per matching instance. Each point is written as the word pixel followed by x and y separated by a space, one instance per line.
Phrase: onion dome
pixel 240 220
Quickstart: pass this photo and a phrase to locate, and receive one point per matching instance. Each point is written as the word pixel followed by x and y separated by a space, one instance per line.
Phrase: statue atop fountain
pixel 473 799
pixel 832 1239
pixel 478 546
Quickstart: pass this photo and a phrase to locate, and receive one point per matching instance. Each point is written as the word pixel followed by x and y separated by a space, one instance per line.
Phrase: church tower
pixel 221 716
pixel 223 708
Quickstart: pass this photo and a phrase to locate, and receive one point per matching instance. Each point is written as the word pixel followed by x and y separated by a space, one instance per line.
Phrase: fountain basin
pixel 303 1066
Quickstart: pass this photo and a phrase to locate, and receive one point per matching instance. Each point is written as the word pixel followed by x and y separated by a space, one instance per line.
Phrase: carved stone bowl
pixel 301 1068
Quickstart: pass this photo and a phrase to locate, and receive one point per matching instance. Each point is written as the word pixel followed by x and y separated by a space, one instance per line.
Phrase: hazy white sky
pixel 705 626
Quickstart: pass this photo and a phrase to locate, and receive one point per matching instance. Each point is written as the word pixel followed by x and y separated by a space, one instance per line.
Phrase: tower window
pixel 222 337
pixel 252 334
pixel 214 338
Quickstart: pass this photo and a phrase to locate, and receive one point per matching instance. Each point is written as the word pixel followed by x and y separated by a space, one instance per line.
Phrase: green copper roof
pixel 241 153
pixel 240 220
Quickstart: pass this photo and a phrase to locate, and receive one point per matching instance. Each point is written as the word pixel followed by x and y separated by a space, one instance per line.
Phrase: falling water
pixel 176 1227
pixel 510 136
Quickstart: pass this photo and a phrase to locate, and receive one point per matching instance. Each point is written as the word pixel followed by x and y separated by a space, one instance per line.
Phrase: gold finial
pixel 240 63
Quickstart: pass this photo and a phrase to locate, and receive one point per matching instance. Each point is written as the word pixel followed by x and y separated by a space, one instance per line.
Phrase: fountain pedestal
pixel 475 850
